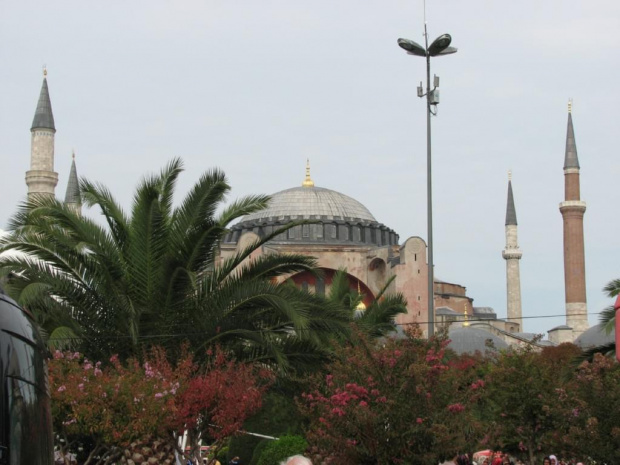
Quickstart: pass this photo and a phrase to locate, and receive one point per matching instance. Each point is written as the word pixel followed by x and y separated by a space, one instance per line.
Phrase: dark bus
pixel 25 415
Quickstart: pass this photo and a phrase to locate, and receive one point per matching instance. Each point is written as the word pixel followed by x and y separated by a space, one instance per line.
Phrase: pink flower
pixel 81 386
pixel 58 354
pixel 456 408
pixel 478 384
pixel 98 372
pixel 159 395
pixel 62 388
pixel 363 404
pixel 419 421
pixel 338 411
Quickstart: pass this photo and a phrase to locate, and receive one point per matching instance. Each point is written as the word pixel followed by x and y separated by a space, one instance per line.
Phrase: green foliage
pixel 590 409
pixel 242 446
pixel 221 454
pixel 277 451
pixel 258 450
pixel 278 416
pixel 377 320
pixel 521 400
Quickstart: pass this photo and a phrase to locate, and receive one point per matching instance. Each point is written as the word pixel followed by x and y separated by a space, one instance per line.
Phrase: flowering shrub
pixel 403 402
pixel 522 399
pixel 107 406
pixel 591 411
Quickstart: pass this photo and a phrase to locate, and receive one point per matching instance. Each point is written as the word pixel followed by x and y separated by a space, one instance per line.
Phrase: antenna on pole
pixel 425 31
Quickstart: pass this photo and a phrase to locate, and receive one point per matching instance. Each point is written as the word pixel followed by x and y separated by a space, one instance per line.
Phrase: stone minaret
pixel 72 196
pixel 512 254
pixel 41 179
pixel 573 209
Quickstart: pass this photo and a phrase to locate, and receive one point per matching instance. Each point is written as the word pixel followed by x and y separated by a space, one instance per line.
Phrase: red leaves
pixel 222 398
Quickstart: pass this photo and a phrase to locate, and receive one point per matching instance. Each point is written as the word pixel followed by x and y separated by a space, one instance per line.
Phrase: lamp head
pixel 411 47
pixel 440 44
pixel 448 51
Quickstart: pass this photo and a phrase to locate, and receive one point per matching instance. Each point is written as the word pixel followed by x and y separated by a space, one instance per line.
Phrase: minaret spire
pixel 72 196
pixel 511 213
pixel 41 179
pixel 573 209
pixel 43 116
pixel 570 157
pixel 308 182
pixel 512 254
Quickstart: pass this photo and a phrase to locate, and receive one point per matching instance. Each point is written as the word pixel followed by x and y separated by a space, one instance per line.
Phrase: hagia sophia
pixel 344 234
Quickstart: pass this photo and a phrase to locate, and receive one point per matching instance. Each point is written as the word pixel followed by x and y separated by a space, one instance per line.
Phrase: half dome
pixel 594 337
pixel 471 340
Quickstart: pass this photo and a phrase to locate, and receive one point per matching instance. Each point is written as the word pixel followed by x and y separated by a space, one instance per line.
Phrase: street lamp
pixel 440 46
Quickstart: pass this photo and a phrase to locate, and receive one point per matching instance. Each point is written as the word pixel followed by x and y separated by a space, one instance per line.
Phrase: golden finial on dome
pixel 307 182
pixel 466 322
pixel 361 305
pixel 570 105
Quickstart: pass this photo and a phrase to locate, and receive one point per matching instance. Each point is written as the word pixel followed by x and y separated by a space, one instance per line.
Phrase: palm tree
pixel 377 320
pixel 153 277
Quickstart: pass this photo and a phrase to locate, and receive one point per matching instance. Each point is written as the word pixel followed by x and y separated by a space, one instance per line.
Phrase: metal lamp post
pixel 440 46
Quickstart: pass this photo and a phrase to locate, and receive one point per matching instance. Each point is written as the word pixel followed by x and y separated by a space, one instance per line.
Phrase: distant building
pixel 344 235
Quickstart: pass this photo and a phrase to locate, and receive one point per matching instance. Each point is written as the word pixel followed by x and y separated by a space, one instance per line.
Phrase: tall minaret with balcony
pixel 573 209
pixel 41 179
pixel 512 254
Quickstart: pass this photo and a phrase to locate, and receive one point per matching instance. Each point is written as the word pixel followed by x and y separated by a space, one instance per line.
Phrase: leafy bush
pixel 277 417
pixel 258 450
pixel 277 451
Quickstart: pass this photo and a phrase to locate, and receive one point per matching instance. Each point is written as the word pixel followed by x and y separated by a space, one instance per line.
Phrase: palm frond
pixel 63 338
pixel 612 288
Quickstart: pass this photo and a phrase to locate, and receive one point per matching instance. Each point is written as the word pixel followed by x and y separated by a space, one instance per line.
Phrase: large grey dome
pixel 312 202
pixel 336 219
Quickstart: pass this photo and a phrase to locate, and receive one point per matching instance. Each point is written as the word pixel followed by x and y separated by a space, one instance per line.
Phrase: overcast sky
pixel 255 88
